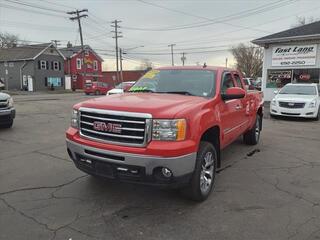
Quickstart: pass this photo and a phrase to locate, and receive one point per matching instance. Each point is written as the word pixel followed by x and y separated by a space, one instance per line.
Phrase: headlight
pixel 312 104
pixel 75 119
pixel 273 102
pixel 169 130
pixel 10 104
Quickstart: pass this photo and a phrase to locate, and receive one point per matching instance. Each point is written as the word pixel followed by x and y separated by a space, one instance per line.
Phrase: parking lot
pixel 268 191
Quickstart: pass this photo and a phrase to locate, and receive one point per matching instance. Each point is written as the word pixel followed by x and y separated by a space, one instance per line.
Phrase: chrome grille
pixel 121 128
pixel 292 104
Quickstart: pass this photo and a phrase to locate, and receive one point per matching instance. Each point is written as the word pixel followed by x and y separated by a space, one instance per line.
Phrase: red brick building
pixel 110 77
pixel 80 69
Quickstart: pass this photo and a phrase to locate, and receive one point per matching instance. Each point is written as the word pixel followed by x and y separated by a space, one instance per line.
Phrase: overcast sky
pixel 204 30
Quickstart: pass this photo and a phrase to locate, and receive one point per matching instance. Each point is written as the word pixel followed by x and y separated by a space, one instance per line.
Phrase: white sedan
pixel 121 88
pixel 297 100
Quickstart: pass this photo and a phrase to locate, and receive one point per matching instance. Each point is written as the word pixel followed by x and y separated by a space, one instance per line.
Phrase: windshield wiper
pixel 141 90
pixel 179 92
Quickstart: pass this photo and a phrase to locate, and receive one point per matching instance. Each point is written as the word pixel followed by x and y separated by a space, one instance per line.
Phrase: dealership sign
pixel 294 55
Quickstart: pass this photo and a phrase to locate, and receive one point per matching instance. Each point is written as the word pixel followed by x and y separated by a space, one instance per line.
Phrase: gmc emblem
pixel 107 127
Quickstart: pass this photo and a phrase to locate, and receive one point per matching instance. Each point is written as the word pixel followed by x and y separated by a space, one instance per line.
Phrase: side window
pixel 227 82
pixel 238 81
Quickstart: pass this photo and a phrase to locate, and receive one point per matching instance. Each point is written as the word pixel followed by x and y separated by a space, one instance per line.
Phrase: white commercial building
pixel 291 56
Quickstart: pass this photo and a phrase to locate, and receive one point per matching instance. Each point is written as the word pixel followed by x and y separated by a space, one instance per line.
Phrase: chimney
pixel 69 44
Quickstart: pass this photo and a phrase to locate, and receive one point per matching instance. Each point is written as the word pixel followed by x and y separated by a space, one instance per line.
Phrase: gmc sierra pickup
pixel 168 130
pixel 7 111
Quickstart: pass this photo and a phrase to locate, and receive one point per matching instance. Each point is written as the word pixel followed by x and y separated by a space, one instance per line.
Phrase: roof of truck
pixel 212 68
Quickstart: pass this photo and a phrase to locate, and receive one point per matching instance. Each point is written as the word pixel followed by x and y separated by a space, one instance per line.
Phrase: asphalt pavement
pixel 268 191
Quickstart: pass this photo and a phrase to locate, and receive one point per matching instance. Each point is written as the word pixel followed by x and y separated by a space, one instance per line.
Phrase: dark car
pixel 97 88
pixel 7 111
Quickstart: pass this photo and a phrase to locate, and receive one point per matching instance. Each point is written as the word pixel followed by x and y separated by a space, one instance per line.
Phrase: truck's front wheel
pixel 204 175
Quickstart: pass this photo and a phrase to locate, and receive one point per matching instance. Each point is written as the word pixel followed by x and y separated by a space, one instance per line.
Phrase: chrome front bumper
pixel 180 166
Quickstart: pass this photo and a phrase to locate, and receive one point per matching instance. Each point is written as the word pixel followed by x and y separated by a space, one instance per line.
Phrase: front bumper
pixel 7 115
pixel 305 112
pixel 128 167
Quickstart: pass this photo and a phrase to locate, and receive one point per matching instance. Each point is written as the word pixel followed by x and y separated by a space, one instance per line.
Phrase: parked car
pixel 2 86
pixel 7 111
pixel 297 100
pixel 96 88
pixel 121 88
pixel 257 83
pixel 168 131
pixel 249 82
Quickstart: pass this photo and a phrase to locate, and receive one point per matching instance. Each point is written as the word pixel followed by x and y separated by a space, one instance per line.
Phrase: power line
pixel 30 10
pixel 246 13
pixel 34 6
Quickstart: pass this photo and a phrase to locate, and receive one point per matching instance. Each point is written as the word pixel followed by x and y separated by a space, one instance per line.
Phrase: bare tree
pixel 8 40
pixel 248 59
pixel 146 64
pixel 303 21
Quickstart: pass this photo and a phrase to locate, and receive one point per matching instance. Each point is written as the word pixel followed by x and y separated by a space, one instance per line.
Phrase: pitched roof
pixel 305 32
pixel 68 52
pixel 26 52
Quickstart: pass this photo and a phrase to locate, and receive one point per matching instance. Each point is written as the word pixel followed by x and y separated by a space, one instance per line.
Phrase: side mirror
pixel 276 92
pixel 233 93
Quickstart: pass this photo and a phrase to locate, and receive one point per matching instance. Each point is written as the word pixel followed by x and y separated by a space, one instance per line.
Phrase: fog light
pixel 166 172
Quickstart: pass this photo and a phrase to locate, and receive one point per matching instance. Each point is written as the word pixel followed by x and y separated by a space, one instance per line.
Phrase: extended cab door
pixel 230 112
pixel 244 103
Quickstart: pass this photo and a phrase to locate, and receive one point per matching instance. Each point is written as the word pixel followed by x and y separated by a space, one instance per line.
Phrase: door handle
pixel 238 107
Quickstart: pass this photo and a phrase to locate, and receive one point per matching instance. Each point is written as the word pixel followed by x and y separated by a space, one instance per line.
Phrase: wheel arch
pixel 212 135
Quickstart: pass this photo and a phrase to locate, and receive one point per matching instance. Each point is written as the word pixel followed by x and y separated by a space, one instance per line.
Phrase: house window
pixel 43 64
pixel 86 53
pixel 95 65
pixel 56 66
pixel 54 81
pixel 79 63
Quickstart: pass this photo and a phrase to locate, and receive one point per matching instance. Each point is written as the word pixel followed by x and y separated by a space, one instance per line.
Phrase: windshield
pixel 188 82
pixel 119 86
pixel 300 90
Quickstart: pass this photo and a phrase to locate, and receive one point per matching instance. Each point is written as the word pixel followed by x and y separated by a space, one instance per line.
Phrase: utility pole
pixel 183 58
pixel 121 75
pixel 78 18
pixel 116 36
pixel 172 60
pixel 226 62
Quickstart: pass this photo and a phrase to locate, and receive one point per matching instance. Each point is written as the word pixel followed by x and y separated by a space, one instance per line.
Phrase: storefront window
pixel 278 78
pixel 305 76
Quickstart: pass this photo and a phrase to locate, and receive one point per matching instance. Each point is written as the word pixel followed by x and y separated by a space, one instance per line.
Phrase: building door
pixel 30 84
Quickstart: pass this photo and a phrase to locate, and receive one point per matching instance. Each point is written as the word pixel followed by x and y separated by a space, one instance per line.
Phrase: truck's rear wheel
pixel 203 177
pixel 253 135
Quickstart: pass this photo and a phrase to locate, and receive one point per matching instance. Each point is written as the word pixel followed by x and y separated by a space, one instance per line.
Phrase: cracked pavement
pixel 268 191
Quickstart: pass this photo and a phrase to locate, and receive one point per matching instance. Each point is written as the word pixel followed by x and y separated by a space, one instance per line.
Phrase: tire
pixel 87 93
pixel 97 92
pixel 318 115
pixel 205 168
pixel 253 135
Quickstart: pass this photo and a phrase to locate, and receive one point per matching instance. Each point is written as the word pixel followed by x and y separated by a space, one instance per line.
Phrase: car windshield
pixel 300 90
pixel 119 86
pixel 187 82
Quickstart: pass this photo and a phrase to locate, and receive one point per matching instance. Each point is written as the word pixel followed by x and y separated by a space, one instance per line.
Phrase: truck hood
pixel 159 105
pixel 295 97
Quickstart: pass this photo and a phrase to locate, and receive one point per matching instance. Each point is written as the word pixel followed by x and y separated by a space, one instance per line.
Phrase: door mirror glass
pixel 233 93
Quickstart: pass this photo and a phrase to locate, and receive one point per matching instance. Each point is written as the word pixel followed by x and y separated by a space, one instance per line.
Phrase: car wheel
pixel 204 174
pixel 253 135
pixel 318 115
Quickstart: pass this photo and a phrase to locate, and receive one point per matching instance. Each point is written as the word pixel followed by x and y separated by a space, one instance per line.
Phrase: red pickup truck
pixel 168 130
